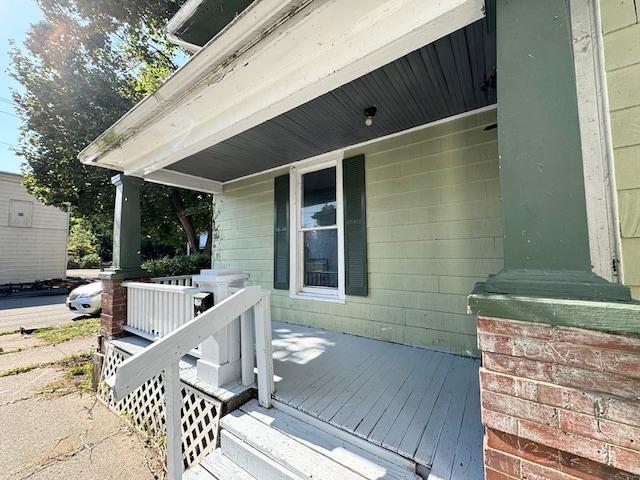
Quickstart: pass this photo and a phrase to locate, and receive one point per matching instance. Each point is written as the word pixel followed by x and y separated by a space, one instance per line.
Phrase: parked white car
pixel 86 299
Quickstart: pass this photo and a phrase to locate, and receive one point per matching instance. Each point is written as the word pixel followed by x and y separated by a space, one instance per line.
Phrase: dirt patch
pixel 71 436
pixel 53 428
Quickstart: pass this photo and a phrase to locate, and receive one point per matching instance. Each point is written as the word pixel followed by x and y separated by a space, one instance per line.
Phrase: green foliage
pixel 83 244
pixel 19 370
pixel 90 261
pixel 62 333
pixel 82 68
pixel 178 265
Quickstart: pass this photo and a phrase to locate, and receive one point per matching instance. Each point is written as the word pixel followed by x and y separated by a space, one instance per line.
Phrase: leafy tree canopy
pixel 81 68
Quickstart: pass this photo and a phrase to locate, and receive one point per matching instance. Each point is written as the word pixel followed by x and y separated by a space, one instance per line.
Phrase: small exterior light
pixel 369 112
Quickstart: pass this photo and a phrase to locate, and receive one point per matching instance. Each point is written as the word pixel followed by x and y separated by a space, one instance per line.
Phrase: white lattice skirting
pixel 144 409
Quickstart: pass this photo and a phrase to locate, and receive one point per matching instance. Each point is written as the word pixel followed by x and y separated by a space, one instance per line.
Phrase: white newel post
pixel 220 362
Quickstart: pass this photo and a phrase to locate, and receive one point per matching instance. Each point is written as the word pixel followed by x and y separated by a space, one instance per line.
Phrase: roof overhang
pixel 198 21
pixel 276 56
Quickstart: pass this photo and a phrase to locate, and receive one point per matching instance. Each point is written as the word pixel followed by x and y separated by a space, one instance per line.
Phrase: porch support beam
pixel 126 256
pixel 546 244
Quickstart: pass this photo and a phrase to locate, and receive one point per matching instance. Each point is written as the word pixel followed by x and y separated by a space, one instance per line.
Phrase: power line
pixel 6 100
pixel 8 113
pixel 5 143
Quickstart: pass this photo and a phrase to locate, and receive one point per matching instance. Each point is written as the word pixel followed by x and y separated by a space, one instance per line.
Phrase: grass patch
pixel 62 333
pixel 8 332
pixel 19 370
pixel 7 352
pixel 76 376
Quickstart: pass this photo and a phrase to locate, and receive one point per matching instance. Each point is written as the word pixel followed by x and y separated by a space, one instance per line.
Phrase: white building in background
pixel 33 236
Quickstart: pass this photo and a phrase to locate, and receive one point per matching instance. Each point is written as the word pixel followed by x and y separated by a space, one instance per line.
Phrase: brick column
pixel 114 306
pixel 559 402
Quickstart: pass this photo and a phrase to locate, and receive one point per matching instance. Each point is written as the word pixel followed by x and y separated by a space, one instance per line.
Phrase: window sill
pixel 318 298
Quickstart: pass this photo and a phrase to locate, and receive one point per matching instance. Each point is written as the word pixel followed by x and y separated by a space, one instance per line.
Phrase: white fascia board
pixel 183 180
pixel 323 46
pixel 184 14
pixel 203 68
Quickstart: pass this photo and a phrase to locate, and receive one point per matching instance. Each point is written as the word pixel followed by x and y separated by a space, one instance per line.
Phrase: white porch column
pixel 221 360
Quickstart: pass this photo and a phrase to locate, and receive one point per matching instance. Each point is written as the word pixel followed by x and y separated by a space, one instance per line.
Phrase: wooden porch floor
pixel 420 403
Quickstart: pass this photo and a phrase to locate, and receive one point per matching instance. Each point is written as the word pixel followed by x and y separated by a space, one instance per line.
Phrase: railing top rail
pixel 221 278
pixel 173 277
pixel 161 287
pixel 151 361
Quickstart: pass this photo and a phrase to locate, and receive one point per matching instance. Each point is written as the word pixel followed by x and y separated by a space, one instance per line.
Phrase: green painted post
pixel 126 223
pixel 126 230
pixel 546 245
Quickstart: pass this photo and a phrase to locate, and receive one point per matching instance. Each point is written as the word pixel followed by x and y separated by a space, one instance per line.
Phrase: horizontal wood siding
pixel 622 63
pixel 434 229
pixel 38 252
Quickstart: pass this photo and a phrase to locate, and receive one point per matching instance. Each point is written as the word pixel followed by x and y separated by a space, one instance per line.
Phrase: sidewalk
pixel 48 435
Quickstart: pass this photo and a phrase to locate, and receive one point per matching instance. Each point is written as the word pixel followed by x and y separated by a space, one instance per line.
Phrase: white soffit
pixel 182 180
pixel 317 49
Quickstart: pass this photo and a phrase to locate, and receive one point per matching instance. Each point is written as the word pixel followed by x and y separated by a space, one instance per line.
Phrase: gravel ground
pixel 50 430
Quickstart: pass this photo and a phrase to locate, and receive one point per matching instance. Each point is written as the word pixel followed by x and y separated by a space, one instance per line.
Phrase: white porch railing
pixel 250 304
pixel 155 310
pixel 182 280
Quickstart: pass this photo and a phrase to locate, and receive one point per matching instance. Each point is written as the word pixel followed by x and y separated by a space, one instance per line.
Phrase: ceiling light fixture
pixel 369 112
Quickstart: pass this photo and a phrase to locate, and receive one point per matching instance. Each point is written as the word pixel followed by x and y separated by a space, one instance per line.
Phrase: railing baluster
pixel 173 405
pixel 264 354
pixel 246 348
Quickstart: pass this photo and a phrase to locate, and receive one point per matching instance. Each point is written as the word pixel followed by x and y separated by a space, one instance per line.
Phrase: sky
pixel 15 18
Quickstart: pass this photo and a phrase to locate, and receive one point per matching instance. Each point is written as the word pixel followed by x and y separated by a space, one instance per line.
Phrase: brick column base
pixel 559 402
pixel 114 306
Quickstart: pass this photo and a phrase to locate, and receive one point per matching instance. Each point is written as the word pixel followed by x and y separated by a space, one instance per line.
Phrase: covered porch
pixel 419 403
pixel 282 102
pixel 399 412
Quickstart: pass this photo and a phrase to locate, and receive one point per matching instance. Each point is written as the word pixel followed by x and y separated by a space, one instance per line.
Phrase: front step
pixel 268 444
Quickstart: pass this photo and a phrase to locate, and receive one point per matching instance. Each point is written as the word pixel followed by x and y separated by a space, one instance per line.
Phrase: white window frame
pixel 296 272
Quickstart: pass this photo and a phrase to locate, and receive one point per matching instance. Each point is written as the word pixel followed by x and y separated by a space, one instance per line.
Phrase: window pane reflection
pixel 319 198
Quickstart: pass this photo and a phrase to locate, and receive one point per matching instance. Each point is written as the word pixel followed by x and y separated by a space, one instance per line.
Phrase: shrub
pixel 178 265
pixel 90 261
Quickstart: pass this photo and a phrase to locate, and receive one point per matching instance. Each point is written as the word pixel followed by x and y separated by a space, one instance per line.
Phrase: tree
pixel 82 67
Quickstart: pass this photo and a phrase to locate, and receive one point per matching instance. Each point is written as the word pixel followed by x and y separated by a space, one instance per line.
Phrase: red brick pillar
pixel 114 306
pixel 559 402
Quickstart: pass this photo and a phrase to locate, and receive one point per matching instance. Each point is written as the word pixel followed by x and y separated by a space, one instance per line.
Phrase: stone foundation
pixel 559 402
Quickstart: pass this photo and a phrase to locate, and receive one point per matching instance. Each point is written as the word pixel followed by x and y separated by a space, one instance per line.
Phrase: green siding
pixel 622 64
pixel 433 229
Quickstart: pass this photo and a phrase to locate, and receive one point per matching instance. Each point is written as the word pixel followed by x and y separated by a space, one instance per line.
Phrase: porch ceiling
pixel 442 79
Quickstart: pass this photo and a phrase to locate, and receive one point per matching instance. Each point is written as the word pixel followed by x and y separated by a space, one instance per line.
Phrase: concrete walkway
pixel 48 435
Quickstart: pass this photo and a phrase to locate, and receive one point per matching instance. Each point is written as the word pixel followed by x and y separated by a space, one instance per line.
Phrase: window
pixel 319 265
pixel 320 232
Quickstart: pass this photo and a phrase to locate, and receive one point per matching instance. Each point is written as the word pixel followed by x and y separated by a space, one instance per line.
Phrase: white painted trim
pixel 245 77
pixel 608 139
pixel 184 14
pixel 183 180
pixel 595 139
pixel 296 265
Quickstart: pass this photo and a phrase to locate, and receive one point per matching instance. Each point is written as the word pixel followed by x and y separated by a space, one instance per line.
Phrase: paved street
pixel 27 311
pixel 33 312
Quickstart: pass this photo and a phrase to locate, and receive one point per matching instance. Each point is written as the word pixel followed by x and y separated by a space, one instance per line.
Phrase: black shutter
pixel 355 227
pixel 281 233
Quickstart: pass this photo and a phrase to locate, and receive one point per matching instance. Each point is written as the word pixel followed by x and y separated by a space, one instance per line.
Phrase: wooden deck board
pixel 423 412
pixel 443 428
pixel 467 463
pixel 417 402
pixel 403 402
